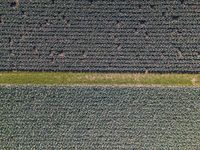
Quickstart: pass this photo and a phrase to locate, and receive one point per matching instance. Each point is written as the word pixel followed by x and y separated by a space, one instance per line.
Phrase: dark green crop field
pixel 105 118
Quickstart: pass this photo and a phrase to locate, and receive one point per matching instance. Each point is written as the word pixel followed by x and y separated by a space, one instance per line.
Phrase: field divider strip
pixel 101 79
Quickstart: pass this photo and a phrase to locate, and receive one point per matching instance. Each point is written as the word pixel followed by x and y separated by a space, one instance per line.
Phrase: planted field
pixel 99 118
pixel 100 36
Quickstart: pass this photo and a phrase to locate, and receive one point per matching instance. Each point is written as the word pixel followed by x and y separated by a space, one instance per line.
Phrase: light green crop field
pixel 101 118
pixel 71 78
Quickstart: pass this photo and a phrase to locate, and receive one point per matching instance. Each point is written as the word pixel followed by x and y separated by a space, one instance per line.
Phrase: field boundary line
pixel 99 79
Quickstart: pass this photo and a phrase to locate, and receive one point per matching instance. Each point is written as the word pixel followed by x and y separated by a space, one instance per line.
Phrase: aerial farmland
pixel 97 74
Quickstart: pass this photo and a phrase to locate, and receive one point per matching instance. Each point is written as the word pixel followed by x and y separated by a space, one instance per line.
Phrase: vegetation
pixel 70 78
pixel 101 118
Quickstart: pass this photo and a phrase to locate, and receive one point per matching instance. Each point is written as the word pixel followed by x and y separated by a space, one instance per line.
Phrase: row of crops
pixel 137 36
pixel 99 118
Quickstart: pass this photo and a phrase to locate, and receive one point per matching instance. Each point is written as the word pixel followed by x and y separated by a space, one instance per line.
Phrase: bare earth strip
pixel 100 79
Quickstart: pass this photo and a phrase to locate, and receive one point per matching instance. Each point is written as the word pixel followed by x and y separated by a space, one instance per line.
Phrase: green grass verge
pixel 69 78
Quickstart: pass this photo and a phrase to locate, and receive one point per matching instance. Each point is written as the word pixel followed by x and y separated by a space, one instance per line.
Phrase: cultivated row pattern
pixel 99 35
pixel 99 118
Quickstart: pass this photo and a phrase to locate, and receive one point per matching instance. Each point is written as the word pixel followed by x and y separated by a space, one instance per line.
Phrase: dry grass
pixel 69 78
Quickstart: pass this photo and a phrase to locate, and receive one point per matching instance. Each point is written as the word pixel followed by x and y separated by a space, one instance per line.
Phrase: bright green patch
pixel 69 78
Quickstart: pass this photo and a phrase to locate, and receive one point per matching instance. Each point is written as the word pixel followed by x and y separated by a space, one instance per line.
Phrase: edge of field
pixel 98 79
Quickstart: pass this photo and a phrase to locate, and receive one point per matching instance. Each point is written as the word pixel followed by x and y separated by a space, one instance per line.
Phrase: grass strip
pixel 70 78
